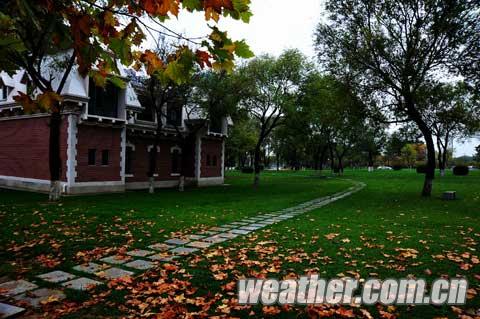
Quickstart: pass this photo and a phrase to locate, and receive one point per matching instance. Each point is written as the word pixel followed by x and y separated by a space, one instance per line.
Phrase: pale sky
pixel 276 25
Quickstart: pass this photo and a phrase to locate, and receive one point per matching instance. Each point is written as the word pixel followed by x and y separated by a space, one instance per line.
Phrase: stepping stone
pixel 114 273
pixel 56 276
pixel 140 253
pixel 90 268
pixel 40 296
pixel 240 231
pixel 199 244
pixel 183 250
pixel 219 228
pixel 258 225
pixel 7 311
pixel 140 264
pixel 81 283
pixel 161 247
pixel 238 223
pixel 208 232
pixel 16 287
pixel 159 257
pixel 194 237
pixel 267 222
pixel 252 228
pixel 116 260
pixel 215 239
pixel 162 258
pixel 226 235
pixel 177 241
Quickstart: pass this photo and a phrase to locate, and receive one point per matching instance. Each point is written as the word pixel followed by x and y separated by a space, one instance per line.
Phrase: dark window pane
pixel 91 156
pixel 214 160
pixel 174 114
pixel 103 101
pixel 128 160
pixel 105 157
pixel 4 92
pixel 148 109
pixel 216 125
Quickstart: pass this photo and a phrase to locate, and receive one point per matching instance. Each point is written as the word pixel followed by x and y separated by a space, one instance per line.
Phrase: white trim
pixel 25 179
pixel 223 159
pixel 208 181
pixel 131 145
pixel 149 148
pixel 175 148
pixel 175 174
pixel 129 175
pixel 146 185
pixel 28 184
pixel 72 150
pixel 123 148
pixel 111 183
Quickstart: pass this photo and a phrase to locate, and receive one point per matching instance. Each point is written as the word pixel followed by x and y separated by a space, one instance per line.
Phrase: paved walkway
pixel 139 260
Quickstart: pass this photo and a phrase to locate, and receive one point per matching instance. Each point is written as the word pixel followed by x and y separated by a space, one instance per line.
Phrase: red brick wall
pixel 211 147
pixel 99 138
pixel 140 162
pixel 24 148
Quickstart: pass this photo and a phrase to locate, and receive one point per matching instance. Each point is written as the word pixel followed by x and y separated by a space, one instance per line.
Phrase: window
pixel 103 100
pixel 174 113
pixel 147 113
pixel 129 152
pixel 105 157
pixel 176 162
pixel 4 92
pixel 91 157
pixel 214 160
pixel 215 124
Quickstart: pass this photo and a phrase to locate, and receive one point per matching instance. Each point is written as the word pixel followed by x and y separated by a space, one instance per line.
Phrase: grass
pixel 372 231
pixel 32 227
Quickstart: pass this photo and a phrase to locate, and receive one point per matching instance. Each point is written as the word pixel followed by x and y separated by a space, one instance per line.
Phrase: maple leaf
pixel 203 58
pixel 271 310
pixel 331 236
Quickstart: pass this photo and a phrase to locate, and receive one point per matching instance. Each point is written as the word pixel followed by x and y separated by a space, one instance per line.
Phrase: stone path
pixel 138 261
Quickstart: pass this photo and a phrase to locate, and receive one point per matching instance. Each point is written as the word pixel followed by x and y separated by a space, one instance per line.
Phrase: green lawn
pixel 369 235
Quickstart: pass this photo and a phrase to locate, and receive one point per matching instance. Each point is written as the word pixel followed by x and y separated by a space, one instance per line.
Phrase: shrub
pixel 397 167
pixel 460 170
pixel 422 169
pixel 247 170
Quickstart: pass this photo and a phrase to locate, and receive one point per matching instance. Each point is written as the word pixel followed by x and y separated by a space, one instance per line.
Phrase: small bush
pixel 397 167
pixel 460 170
pixel 422 169
pixel 247 170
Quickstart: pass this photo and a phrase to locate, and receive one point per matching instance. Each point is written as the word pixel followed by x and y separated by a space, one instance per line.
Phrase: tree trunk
pixel 256 165
pixel 55 164
pixel 152 168
pixel 427 135
pixel 370 161
pixel 332 159
pixel 278 161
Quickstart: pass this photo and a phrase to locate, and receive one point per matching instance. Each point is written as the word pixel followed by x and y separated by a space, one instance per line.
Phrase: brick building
pixel 105 139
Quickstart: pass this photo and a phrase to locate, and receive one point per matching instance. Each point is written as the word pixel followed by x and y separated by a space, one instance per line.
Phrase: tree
pixel 392 48
pixel 241 140
pixel 409 155
pixel 336 115
pixel 96 35
pixel 451 112
pixel 272 87
pixel 477 154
